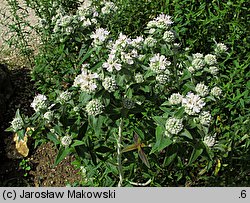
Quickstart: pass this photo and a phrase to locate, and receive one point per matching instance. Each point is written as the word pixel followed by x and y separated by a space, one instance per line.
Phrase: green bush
pixel 134 103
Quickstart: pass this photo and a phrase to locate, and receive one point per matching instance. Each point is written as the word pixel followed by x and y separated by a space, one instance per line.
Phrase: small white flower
pixel 162 78
pixel 48 116
pixel 191 69
pixel 198 63
pixel 175 99
pixel 139 78
pixel 209 140
pixel 198 56
pixel 213 70
pixel 109 6
pixel 150 42
pixel 159 63
pixel 17 124
pixel 205 118
pixel 220 48
pixel 94 107
pixel 39 103
pixel 202 89
pixel 210 59
pixel 64 97
pixel 173 126
pixel 86 81
pixel 192 103
pixel 112 64
pixel 109 84
pixel 168 36
pixel 216 92
pixel 99 36
pixel 66 140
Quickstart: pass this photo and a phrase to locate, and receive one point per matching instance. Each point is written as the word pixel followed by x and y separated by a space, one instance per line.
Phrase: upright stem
pixel 119 153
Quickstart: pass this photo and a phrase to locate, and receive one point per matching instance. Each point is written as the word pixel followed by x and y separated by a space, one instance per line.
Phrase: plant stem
pixel 119 153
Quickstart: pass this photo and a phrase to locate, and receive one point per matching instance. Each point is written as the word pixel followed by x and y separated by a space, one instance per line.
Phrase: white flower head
pixel 209 140
pixel 99 36
pixel 168 36
pixel 192 103
pixel 87 81
pixel 162 22
pixel 220 48
pixel 39 103
pixel 128 103
pixel 213 70
pixel 159 63
pixel 109 84
pixel 202 89
pixel 139 78
pixel 216 92
pixel 64 97
pixel 210 59
pixel 198 63
pixel 162 78
pixel 66 140
pixel 173 126
pixel 112 64
pixel 49 116
pixel 108 7
pixel 150 42
pixel 197 56
pixel 205 118
pixel 17 124
pixel 175 99
pixel 94 107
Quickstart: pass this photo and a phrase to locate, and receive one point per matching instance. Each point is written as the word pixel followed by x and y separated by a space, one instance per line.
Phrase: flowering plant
pixel 127 93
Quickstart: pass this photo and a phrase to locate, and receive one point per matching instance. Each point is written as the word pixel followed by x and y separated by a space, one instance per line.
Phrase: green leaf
pixel 77 143
pixel 160 121
pixel 82 131
pixel 63 152
pixel 139 132
pixel 164 143
pixel 161 140
pixel 143 157
pixel 87 55
pixel 168 160
pixel 195 154
pixel 187 134
pixel 103 149
pixel 53 138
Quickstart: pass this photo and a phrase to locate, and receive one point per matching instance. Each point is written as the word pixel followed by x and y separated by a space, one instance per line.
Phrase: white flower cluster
pixel 86 81
pixel 193 103
pixel 213 70
pixel 175 99
pixel 150 42
pixel 173 126
pixel 197 64
pixel 94 107
pixel 39 103
pixel 220 48
pixel 49 116
pixel 216 92
pixel 209 140
pixel 108 7
pixel 210 59
pixel 64 97
pixel 66 140
pixel 159 64
pixel 162 22
pixel 99 36
pixel 109 84
pixel 205 118
pixel 162 78
pixel 139 78
pixel 17 124
pixel 202 89
pixel 128 103
pixel 168 36
pixel 112 63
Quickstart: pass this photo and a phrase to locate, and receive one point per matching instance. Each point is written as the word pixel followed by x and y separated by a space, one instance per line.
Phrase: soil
pixel 41 159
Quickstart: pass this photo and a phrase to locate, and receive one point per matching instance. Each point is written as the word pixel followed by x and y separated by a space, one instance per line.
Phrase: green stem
pixel 119 153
